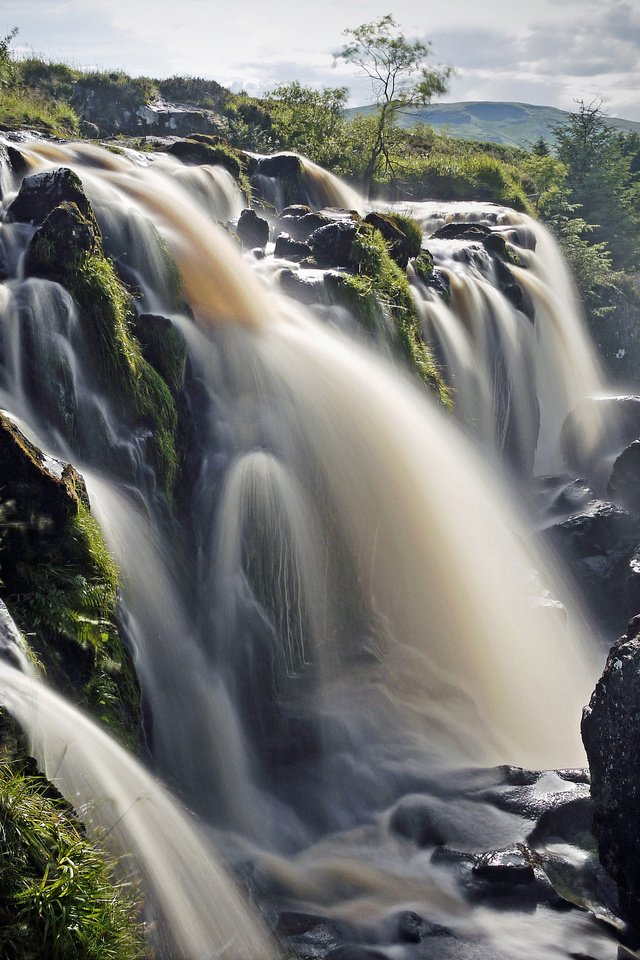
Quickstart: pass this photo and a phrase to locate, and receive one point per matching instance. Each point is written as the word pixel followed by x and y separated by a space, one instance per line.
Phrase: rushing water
pixel 351 610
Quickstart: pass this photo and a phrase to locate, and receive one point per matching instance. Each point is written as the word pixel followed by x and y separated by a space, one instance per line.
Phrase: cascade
pixel 351 614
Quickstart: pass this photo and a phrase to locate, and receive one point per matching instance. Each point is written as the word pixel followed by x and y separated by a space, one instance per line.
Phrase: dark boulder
pixel 287 248
pixel 306 289
pixel 611 735
pixel 301 228
pixel 504 866
pixel 598 529
pixel 17 160
pixel 280 165
pixel 252 230
pixel 331 245
pixel 42 192
pixel 296 210
pixel 413 820
pixel 624 483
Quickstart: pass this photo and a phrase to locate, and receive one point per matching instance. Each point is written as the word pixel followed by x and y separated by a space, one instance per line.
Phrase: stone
pixel 287 248
pixel 42 192
pixel 331 244
pixel 624 484
pixel 301 228
pixel 64 233
pixel 252 230
pixel 413 820
pixel 611 735
pixel 296 210
pixel 504 866
pixel 280 165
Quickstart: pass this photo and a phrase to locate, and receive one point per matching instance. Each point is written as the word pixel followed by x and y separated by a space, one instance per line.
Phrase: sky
pixel 550 52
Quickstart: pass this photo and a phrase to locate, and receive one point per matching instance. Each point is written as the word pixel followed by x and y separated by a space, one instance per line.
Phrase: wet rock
pixel 17 160
pixel 411 927
pixel 252 230
pixel 311 935
pixel 40 193
pixel 331 245
pixel 504 866
pixel 413 820
pixel 287 248
pixel 624 483
pixel 611 735
pixel 296 210
pixel 306 289
pixel 596 530
pixel 163 346
pixel 280 165
pixel 301 228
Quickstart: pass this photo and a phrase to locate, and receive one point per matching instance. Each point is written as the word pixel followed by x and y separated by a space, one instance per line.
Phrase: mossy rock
pixel 60 583
pixel 200 150
pixel 40 193
pixel 402 235
pixel 68 248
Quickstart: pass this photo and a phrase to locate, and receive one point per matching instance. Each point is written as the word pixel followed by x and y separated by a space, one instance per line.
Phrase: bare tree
pixel 398 73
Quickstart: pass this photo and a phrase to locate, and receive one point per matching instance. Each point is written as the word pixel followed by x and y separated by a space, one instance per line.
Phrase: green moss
pixel 390 285
pixel 68 248
pixel 411 230
pixel 423 266
pixel 59 898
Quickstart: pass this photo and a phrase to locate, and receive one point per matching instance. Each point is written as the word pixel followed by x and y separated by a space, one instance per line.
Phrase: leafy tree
pixel 600 180
pixel 399 78
pixel 309 121
pixel 7 67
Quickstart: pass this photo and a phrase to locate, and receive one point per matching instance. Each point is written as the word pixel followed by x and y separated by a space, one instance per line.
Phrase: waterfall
pixel 352 608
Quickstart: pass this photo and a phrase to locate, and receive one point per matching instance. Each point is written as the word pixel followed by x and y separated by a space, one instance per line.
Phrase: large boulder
pixel 252 230
pixel 611 735
pixel 331 245
pixel 280 165
pixel 40 193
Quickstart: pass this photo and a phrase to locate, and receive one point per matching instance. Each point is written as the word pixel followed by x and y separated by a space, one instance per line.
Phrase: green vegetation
pixel 379 287
pixel 399 78
pixel 59 897
pixel 61 584
pixel 107 310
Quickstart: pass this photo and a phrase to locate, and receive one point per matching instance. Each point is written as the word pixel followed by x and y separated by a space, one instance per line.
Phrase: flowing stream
pixel 351 611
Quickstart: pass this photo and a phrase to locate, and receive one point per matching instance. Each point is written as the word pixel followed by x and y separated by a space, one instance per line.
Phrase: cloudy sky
pixel 536 51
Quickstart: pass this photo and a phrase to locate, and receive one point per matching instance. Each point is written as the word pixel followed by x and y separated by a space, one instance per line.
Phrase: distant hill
pixel 516 124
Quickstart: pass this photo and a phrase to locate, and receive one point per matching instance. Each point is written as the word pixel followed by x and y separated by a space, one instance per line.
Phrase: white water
pixel 549 363
pixel 352 574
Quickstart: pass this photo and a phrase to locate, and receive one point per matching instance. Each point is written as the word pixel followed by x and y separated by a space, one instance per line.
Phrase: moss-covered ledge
pixel 376 285
pixel 67 248
pixel 61 584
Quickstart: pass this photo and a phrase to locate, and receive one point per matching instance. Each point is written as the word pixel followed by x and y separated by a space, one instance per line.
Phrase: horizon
pixel 541 56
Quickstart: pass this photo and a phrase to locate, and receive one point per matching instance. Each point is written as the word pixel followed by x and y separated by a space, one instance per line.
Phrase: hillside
pixel 516 124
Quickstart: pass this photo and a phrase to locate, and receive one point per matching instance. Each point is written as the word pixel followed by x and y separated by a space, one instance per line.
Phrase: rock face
pixel 624 483
pixel 611 734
